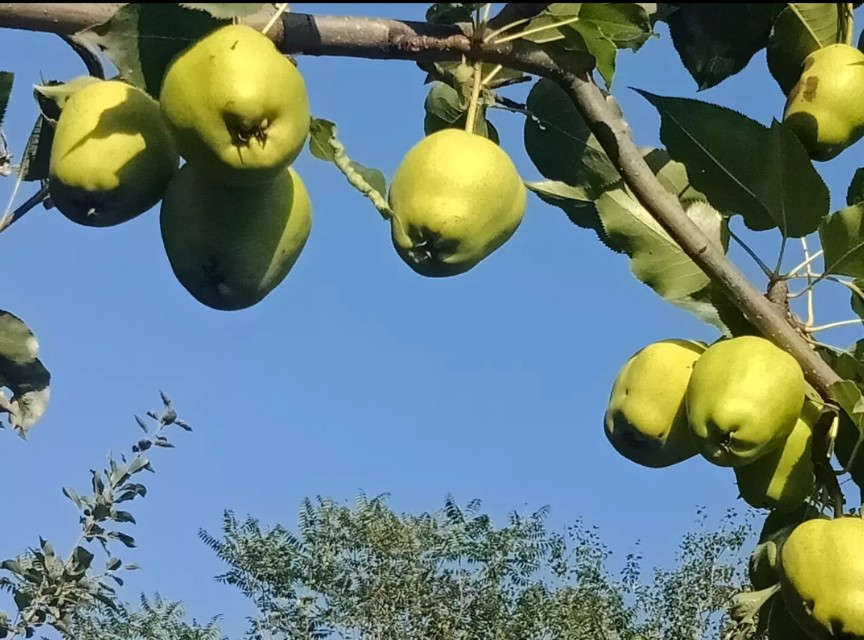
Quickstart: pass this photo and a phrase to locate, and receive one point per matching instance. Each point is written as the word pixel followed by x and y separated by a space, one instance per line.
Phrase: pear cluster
pixel 236 216
pixel 825 108
pixel 740 403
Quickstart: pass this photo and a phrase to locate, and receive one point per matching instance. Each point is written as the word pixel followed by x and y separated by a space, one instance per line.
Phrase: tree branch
pixel 380 38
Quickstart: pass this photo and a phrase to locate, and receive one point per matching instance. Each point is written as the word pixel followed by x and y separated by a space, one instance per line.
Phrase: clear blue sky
pixel 356 373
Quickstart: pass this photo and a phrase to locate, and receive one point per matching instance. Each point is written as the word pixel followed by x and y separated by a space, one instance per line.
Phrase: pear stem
pixel 475 97
pixel 533 30
pixel 834 325
pixel 767 271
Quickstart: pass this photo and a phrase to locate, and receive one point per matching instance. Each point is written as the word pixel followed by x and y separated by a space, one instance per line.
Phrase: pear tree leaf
pixel 59 93
pixel 627 24
pixel 855 192
pixel 842 238
pixel 324 145
pixel 800 29
pixel 142 39
pixel 6 80
pixel 857 297
pixel 711 306
pixel 562 26
pixel 559 142
pixel 22 372
pixel 225 10
pixel 672 175
pixel 849 444
pixel 446 109
pixel 37 152
pixel 743 167
pixel 716 41
pixel 577 203
pixel 446 71
pixel 656 259
pixel 17 342
pixel 451 12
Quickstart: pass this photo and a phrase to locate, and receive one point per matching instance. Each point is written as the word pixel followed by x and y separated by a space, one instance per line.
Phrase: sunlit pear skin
pixel 112 155
pixel 645 420
pixel 457 197
pixel 231 247
pixel 826 107
pixel 782 478
pixel 743 400
pixel 236 106
pixel 822 577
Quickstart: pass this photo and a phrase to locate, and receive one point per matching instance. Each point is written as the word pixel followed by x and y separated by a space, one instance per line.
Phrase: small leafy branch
pixel 48 589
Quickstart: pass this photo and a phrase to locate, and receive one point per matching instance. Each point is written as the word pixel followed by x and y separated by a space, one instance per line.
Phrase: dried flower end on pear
pixel 456 197
pixel 230 247
pixel 825 108
pixel 112 155
pixel 237 107
pixel 743 400
pixel 646 421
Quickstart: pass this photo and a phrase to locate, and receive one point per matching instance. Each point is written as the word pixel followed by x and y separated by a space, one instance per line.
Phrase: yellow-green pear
pixel 237 107
pixel 230 247
pixel 743 400
pixel 646 420
pixel 826 106
pixel 782 478
pixel 112 155
pixel 822 577
pixel 456 198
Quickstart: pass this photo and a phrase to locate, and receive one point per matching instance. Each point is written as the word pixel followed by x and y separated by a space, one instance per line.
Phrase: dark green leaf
pixel 224 10
pixel 842 238
pixel 855 192
pixel 451 12
pixel 13 566
pixel 123 516
pixel 29 383
pixel 37 152
pixel 627 24
pixel 716 41
pixel 125 538
pixel 743 167
pixel 73 496
pixel 800 29
pixel 142 39
pixel 82 558
pixel 559 142
pixel 445 109
pixel 112 563
pixel 6 80
pixel 577 203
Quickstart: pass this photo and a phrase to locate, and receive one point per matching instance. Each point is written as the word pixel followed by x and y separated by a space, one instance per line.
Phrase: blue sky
pixel 356 373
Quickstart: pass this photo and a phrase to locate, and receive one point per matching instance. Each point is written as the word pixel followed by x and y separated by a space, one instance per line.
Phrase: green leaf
pixel 842 239
pixel 855 192
pixel 588 37
pixel 743 167
pixel 82 558
pixel 800 29
pixel 6 80
pixel 716 41
pixel 627 24
pixel 59 93
pixel 23 373
pixel 673 176
pixel 324 145
pixel 559 142
pixel 142 39
pixel 656 259
pixel 857 298
pixel 17 342
pixel 225 10
pixel 445 109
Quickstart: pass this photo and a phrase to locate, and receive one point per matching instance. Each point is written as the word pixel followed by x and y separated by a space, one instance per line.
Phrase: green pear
pixel 236 106
pixel 822 577
pixel 230 247
pixel 743 400
pixel 456 198
pixel 782 478
pixel 646 420
pixel 826 106
pixel 112 156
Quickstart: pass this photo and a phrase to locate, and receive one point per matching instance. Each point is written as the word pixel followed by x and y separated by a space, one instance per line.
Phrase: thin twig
pixel 35 200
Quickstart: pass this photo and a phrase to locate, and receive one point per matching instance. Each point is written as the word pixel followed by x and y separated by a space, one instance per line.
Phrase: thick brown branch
pixel 379 38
